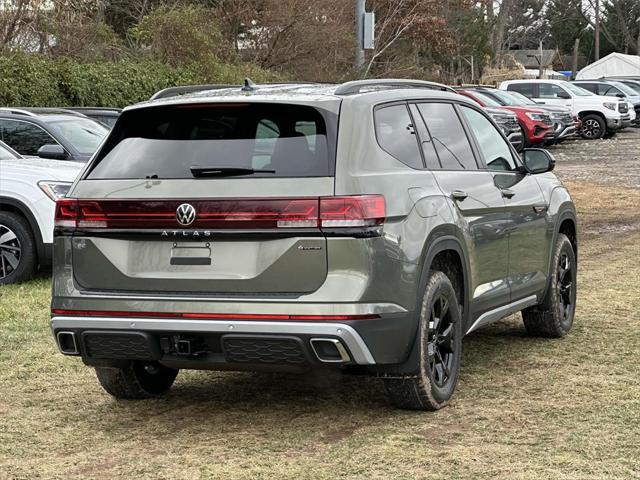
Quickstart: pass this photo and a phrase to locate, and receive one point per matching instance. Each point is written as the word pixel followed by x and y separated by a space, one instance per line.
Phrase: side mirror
pixel 564 95
pixel 538 160
pixel 53 151
pixel 620 95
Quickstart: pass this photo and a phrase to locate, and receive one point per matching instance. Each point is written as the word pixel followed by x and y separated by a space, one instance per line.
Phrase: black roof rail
pixel 175 91
pixel 54 110
pixel 355 86
pixel 84 109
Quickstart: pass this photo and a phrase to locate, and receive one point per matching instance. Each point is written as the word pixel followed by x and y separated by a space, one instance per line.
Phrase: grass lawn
pixel 525 408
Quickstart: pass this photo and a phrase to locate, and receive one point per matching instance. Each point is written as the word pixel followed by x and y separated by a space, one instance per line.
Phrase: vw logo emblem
pixel 185 214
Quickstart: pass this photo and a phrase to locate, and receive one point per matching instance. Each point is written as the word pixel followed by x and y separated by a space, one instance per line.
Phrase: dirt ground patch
pixel 525 408
pixel 614 161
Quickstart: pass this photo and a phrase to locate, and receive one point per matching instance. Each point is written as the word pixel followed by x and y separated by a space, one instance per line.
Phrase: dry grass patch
pixel 605 209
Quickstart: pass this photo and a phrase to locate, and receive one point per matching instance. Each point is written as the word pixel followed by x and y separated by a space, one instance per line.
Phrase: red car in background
pixel 536 124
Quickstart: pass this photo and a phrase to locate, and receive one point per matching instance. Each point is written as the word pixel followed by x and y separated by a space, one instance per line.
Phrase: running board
pixel 501 312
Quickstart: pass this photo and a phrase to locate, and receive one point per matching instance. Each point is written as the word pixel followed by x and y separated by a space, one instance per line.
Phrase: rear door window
pixel 447 137
pixel 592 87
pixel 24 137
pixel 428 149
pixel 396 134
pixel 526 89
pixel 610 91
pixel 166 142
pixel 551 91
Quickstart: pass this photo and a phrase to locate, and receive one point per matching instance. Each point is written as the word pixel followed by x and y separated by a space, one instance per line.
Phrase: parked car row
pixel 601 115
pixel 42 150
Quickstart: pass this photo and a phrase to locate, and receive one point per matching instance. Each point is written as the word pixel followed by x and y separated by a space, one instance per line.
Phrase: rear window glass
pixel 396 134
pixel 268 140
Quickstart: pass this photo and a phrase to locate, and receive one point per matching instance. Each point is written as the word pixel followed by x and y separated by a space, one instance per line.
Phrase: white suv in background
pixel 600 115
pixel 29 188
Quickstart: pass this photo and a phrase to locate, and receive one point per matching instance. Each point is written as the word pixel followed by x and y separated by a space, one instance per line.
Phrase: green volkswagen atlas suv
pixel 363 226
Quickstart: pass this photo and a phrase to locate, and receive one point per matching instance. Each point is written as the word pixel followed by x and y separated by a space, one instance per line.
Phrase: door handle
pixel 459 195
pixel 506 193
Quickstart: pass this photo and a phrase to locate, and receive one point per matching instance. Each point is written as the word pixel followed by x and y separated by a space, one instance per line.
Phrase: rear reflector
pixel 238 213
pixel 210 316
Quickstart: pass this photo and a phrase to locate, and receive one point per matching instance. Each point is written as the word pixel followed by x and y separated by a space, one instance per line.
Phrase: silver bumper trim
pixel 359 350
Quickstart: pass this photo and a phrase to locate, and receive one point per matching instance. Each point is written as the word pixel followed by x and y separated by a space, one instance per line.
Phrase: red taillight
pixel 66 213
pixel 250 213
pixel 272 213
pixel 354 211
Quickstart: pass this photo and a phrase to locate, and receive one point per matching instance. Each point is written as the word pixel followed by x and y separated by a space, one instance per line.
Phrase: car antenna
pixel 249 86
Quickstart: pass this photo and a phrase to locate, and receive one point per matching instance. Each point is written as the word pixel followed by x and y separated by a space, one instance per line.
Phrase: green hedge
pixel 31 80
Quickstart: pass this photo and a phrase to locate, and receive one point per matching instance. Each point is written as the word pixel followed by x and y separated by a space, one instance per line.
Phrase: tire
pixel 18 257
pixel 553 318
pixel 522 145
pixel 137 380
pixel 593 127
pixel 440 343
pixel 525 138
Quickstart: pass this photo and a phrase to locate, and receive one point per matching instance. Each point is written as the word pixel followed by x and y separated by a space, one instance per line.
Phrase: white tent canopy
pixel 613 65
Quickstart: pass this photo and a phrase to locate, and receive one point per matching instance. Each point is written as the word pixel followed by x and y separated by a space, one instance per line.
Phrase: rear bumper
pixel 385 340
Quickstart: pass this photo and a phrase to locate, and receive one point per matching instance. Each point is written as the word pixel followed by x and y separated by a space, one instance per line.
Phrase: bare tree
pixel 400 16
pixel 311 38
pixel 18 23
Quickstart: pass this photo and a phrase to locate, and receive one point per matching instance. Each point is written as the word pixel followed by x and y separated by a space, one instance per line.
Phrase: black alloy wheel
pixel 441 341
pixel 564 285
pixel 438 350
pixel 554 316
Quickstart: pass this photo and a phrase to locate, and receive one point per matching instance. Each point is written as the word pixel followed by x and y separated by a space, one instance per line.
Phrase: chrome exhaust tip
pixel 67 343
pixel 329 350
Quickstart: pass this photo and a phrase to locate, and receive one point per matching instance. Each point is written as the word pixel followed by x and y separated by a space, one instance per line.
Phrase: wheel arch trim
pixel 439 245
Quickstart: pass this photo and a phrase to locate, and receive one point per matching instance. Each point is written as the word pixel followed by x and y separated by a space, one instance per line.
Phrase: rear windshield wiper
pixel 225 171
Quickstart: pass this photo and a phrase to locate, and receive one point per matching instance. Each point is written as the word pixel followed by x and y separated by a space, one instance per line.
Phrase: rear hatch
pixel 218 198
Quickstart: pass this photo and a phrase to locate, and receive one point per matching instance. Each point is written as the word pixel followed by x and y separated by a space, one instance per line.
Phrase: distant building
pixel 567 61
pixel 529 59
